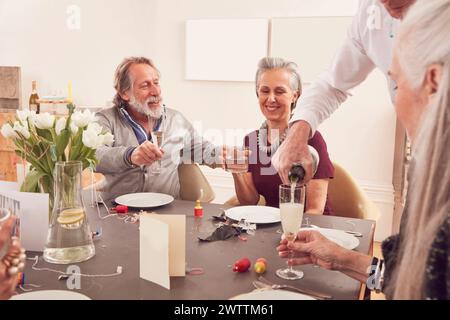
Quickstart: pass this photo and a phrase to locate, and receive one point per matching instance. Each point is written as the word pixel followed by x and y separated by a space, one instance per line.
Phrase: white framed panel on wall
pixel 225 49
pixel 308 39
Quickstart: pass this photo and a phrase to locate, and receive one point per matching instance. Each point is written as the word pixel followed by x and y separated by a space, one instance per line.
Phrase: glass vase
pixel 46 185
pixel 69 238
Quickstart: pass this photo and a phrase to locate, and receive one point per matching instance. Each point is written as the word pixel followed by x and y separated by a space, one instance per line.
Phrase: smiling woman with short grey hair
pixel 271 63
pixel 278 87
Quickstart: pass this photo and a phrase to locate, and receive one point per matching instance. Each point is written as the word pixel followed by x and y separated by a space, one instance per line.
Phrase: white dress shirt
pixel 368 44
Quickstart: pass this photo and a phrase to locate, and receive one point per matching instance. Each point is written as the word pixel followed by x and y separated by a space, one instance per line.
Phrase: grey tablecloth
pixel 119 245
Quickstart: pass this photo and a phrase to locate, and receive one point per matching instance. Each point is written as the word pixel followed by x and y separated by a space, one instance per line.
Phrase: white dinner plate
pixel 272 295
pixel 144 199
pixel 340 237
pixel 254 214
pixel 50 295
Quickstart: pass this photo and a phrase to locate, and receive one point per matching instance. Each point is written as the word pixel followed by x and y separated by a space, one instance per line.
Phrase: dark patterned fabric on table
pixel 437 274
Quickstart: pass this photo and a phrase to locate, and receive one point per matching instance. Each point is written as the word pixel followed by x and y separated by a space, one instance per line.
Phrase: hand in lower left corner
pixel 8 280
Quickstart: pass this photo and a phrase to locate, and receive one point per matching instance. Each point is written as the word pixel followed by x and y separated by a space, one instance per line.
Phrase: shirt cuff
pixel 127 157
pixel 307 116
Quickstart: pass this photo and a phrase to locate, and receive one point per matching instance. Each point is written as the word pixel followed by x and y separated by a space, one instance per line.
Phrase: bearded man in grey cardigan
pixel 129 164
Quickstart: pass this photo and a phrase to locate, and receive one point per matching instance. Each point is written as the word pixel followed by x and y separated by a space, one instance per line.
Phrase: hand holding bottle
pixel 298 172
pixel 294 149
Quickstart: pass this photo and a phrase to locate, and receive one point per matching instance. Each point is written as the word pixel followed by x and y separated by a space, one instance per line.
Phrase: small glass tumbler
pixel 5 238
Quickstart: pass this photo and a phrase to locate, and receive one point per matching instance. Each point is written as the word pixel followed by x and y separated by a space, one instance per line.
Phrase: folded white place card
pixel 162 247
pixel 33 215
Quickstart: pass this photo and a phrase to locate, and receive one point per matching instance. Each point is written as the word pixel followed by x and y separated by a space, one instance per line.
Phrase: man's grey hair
pixel 122 79
pixel 271 63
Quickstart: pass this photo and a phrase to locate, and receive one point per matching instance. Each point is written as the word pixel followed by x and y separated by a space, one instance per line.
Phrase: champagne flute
pixel 292 203
pixel 157 135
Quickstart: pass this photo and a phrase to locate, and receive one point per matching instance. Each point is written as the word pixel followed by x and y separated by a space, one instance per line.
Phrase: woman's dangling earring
pixel 293 104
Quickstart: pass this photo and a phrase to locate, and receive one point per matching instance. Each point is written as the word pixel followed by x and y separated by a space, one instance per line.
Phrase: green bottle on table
pixel 34 98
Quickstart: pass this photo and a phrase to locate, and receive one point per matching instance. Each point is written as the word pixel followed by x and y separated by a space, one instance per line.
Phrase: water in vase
pixel 69 238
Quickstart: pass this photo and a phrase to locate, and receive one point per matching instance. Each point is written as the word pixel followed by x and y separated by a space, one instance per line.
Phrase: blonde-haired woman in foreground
pixel 417 260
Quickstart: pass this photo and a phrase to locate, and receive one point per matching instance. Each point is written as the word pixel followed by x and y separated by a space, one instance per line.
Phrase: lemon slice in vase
pixel 71 218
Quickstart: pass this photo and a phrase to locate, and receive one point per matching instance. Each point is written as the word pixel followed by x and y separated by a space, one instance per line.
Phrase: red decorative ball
pixel 241 265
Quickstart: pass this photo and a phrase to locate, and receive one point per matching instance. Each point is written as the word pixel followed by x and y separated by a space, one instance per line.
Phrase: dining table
pixel 118 245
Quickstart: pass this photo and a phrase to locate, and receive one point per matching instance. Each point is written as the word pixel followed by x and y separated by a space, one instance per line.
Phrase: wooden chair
pixel 192 181
pixel 233 201
pixel 91 180
pixel 348 199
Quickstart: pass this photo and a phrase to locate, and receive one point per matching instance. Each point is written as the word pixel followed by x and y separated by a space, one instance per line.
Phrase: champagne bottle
pixel 34 98
pixel 297 172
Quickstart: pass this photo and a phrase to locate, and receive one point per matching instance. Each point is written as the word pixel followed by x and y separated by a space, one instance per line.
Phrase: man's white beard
pixel 144 109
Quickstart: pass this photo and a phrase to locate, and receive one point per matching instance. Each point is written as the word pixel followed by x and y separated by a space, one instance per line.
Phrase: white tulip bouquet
pixel 42 140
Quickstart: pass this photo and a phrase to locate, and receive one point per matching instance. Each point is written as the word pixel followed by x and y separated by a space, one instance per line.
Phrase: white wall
pixel 198 98
pixel 34 35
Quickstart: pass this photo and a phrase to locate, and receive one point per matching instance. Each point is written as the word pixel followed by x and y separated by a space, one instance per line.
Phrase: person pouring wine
pixel 364 49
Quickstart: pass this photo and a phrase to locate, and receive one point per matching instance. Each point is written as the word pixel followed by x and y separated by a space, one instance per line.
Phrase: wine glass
pixel 292 203
pixel 157 135
pixel 4 238
pixel 236 159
